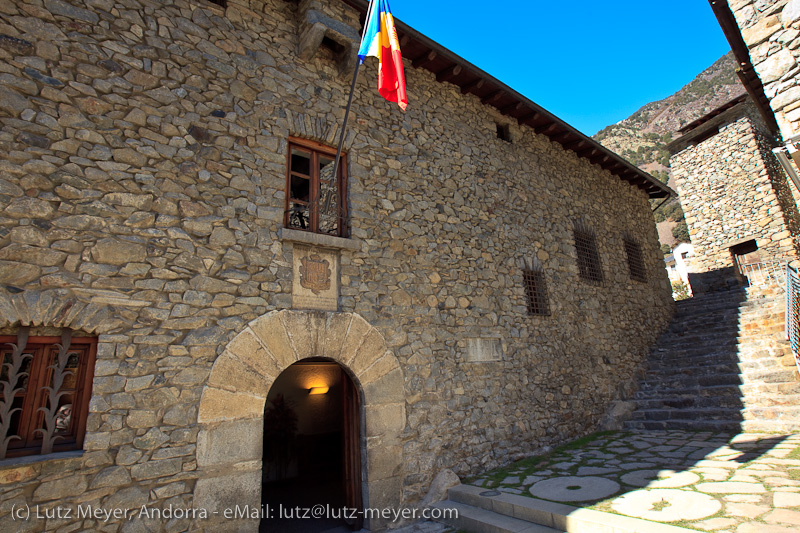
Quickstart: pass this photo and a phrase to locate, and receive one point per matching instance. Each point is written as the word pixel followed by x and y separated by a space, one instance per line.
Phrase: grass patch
pixel 794 454
pixel 660 506
pixel 525 466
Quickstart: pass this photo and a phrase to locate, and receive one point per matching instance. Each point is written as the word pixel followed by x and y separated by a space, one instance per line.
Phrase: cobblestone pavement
pixel 709 481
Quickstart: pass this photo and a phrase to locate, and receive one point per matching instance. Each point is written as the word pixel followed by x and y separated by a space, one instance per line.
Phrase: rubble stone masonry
pixel 771 30
pixel 732 189
pixel 142 180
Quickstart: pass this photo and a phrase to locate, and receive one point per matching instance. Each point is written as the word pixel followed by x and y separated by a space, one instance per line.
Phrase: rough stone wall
pixel 731 188
pixel 141 193
pixel 771 30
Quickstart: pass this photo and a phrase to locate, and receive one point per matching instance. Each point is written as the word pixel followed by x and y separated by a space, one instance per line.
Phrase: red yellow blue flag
pixel 380 40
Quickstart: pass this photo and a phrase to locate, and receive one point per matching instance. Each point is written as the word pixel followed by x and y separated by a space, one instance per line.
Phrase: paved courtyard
pixel 708 481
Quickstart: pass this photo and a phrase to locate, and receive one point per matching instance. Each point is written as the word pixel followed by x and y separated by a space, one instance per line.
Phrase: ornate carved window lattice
pixel 45 386
pixel 633 251
pixel 589 266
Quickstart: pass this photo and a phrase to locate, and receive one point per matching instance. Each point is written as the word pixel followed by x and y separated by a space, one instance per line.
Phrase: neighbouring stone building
pixel 477 281
pixel 765 38
pixel 738 203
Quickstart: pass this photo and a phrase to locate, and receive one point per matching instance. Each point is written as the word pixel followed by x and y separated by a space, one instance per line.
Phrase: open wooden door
pixel 352 451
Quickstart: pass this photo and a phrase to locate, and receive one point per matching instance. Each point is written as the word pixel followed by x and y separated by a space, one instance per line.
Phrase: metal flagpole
pixel 349 103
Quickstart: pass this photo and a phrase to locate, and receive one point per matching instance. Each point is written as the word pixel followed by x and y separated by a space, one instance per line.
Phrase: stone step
pixel 701 392
pixel 707 413
pixel 665 383
pixel 542 514
pixel 713 425
pixel 691 402
pixel 772 413
pixel 470 518
pixel 751 389
pixel 772 426
pixel 666 369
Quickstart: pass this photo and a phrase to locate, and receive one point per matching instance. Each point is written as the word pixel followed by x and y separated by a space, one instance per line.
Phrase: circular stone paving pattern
pixel 666 505
pixel 660 479
pixel 575 488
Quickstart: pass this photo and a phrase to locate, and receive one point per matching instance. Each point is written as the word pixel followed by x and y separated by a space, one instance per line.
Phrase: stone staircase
pixel 486 511
pixel 722 364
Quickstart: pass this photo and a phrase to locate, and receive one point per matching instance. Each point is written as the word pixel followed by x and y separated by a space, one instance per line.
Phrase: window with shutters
pixel 46 385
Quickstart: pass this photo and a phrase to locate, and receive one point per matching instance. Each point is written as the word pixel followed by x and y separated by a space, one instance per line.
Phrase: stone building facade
pixel 144 210
pixel 771 31
pixel 733 189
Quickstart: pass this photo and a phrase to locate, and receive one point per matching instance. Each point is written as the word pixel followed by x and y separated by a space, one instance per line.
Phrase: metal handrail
pixel 793 310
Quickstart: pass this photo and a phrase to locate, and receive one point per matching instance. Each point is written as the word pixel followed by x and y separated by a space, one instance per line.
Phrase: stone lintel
pixel 318 239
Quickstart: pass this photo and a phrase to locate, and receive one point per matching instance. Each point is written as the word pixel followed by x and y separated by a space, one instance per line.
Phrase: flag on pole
pixel 380 40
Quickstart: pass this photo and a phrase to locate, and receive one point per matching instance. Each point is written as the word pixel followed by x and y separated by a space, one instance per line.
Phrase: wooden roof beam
pixel 510 108
pixel 546 129
pixel 492 97
pixel 528 116
pixel 449 73
pixel 563 138
pixel 576 145
pixel 477 84
pixel 424 59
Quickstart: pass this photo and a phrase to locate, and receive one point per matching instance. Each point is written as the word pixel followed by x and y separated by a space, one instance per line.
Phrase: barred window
pixel 45 386
pixel 635 260
pixel 536 292
pixel 315 197
pixel 589 267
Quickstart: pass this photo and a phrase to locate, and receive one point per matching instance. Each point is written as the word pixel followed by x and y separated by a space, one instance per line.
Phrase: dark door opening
pixel 744 255
pixel 312 451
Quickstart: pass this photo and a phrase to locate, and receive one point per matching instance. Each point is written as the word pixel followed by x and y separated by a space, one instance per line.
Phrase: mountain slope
pixel 642 137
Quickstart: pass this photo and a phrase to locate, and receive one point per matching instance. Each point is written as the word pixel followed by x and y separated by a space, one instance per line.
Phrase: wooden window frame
pixel 636 268
pixel 35 396
pixel 589 266
pixel 316 150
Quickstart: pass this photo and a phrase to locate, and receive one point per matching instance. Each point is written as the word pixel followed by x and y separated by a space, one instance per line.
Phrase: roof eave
pixel 447 66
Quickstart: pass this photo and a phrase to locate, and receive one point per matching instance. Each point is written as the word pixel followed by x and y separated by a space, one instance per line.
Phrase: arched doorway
pixel 231 411
pixel 312 449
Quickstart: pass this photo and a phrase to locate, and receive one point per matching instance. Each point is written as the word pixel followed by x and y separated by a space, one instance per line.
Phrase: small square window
pixel 635 260
pixel 504 132
pixel 536 292
pixel 315 195
pixel 589 267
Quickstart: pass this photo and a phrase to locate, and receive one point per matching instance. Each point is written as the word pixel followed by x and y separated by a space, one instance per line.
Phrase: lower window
pixel 46 385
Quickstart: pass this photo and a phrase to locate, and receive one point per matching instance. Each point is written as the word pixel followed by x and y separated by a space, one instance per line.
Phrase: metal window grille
pixel 793 311
pixel 635 260
pixel 589 267
pixel 536 292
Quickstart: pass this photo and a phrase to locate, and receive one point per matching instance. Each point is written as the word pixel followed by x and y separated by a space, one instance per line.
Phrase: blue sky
pixel 590 63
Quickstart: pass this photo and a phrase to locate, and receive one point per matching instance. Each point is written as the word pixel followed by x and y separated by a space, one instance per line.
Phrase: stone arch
pixel 86 310
pixel 231 411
